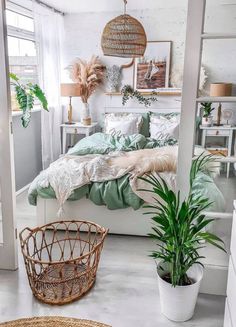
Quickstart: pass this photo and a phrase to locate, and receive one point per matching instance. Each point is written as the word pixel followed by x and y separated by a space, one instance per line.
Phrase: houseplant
pixel 129 93
pixel 25 96
pixel 89 75
pixel 207 109
pixel 179 230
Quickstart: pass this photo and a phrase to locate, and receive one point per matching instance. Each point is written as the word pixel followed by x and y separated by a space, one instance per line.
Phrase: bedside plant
pixel 179 230
pixel 129 93
pixel 25 96
pixel 207 109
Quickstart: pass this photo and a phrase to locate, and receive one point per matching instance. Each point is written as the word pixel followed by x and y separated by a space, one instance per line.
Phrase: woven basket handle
pixel 21 236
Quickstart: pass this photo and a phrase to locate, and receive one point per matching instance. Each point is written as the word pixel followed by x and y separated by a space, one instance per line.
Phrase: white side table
pixel 76 129
pixel 220 131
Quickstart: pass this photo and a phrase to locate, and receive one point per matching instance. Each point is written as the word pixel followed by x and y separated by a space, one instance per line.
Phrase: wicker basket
pixel 61 259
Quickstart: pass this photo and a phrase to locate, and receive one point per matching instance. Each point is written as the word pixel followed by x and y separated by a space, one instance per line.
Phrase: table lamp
pixel 220 90
pixel 70 90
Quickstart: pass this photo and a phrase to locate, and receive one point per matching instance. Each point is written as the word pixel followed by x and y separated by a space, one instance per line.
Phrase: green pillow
pixel 145 124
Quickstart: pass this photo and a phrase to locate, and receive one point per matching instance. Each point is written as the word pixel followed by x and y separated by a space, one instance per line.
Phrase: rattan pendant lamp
pixel 124 36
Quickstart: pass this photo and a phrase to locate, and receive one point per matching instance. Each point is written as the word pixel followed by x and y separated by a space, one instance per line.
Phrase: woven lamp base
pixel 52 322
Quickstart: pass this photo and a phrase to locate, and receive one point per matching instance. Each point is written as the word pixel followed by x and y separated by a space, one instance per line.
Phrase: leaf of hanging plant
pixel 38 93
pixel 14 77
pixel 25 119
pixel 21 97
pixel 30 101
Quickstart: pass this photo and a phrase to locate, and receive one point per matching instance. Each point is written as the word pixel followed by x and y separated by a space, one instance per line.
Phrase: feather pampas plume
pixel 89 75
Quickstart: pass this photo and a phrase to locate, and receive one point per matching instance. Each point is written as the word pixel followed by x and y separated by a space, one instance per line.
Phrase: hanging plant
pixel 129 93
pixel 25 96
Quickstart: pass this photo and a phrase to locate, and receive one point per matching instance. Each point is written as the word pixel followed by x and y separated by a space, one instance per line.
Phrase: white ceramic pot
pixel 178 303
pixel 207 121
pixel 85 113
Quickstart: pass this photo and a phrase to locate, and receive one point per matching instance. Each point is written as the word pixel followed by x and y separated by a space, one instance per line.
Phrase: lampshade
pixel 70 90
pixel 220 89
pixel 124 36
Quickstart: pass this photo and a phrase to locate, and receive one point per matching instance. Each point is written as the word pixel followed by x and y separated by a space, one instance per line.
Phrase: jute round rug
pixel 52 322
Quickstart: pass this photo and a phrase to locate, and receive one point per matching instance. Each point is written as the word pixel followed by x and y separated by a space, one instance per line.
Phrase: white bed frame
pixel 121 221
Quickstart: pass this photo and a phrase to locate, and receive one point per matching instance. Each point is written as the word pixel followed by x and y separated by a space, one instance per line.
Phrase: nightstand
pixel 76 129
pixel 227 132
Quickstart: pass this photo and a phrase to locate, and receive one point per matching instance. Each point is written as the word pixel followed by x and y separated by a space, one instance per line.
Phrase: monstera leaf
pixel 25 96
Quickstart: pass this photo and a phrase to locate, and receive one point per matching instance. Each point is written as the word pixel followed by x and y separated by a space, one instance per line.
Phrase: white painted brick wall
pixel 166 20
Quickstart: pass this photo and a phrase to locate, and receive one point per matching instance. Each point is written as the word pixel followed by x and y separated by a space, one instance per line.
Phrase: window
pixel 22 49
pixel 20 21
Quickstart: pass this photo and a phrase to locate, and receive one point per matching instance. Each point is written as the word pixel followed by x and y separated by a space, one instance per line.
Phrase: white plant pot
pixel 207 121
pixel 178 303
pixel 85 113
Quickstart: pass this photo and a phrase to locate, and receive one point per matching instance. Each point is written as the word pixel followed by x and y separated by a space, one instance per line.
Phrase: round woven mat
pixel 52 322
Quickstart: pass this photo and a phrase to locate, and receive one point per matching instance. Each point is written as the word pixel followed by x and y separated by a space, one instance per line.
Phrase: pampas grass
pixel 88 74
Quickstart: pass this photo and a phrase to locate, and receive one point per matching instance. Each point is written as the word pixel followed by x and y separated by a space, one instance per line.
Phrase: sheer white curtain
pixel 49 33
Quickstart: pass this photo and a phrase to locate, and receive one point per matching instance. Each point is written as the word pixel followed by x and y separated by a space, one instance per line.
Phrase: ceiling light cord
pixel 125 4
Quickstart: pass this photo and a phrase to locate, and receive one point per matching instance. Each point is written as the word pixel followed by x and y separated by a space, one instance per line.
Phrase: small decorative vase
pixel 85 114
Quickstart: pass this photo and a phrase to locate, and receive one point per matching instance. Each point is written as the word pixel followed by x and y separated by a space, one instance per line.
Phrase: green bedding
pixel 114 194
pixel 117 194
pixel 101 143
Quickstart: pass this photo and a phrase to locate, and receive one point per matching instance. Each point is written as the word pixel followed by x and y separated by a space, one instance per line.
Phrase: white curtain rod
pixel 41 4
pixel 49 7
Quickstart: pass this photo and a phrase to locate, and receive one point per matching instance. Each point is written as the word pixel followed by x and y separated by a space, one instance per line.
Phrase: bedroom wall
pixel 162 20
pixel 27 149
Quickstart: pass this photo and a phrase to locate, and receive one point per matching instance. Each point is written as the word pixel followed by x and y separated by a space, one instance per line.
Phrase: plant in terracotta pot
pixel 179 231
pixel 89 75
pixel 206 108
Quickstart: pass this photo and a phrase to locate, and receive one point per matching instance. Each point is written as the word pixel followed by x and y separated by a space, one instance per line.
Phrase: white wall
pixel 162 20
pixel 27 149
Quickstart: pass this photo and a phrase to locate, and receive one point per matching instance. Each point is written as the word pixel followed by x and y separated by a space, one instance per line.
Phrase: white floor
pixel 125 294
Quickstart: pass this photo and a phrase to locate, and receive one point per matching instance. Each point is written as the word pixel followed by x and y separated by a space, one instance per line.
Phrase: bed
pixel 112 203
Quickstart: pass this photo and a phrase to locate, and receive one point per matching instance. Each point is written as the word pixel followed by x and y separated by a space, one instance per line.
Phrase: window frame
pixel 23 34
pixel 19 32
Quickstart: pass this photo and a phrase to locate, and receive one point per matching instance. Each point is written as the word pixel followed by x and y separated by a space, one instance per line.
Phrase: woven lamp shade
pixel 124 36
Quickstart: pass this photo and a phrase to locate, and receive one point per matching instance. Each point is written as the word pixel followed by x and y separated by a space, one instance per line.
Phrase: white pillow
pixel 162 127
pixel 123 124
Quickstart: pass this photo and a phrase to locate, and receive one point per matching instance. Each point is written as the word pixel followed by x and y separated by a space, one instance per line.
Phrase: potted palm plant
pixel 207 109
pixel 179 231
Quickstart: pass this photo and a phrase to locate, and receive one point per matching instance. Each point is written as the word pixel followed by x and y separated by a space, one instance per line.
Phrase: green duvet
pixel 117 194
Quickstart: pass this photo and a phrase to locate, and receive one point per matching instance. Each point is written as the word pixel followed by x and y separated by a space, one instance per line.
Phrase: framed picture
pixel 152 71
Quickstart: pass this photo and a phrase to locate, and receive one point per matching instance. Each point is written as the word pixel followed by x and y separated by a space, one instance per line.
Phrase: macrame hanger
pixel 125 4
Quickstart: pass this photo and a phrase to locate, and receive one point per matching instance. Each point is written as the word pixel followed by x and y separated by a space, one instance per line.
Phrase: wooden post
pixel 192 64
pixel 8 249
